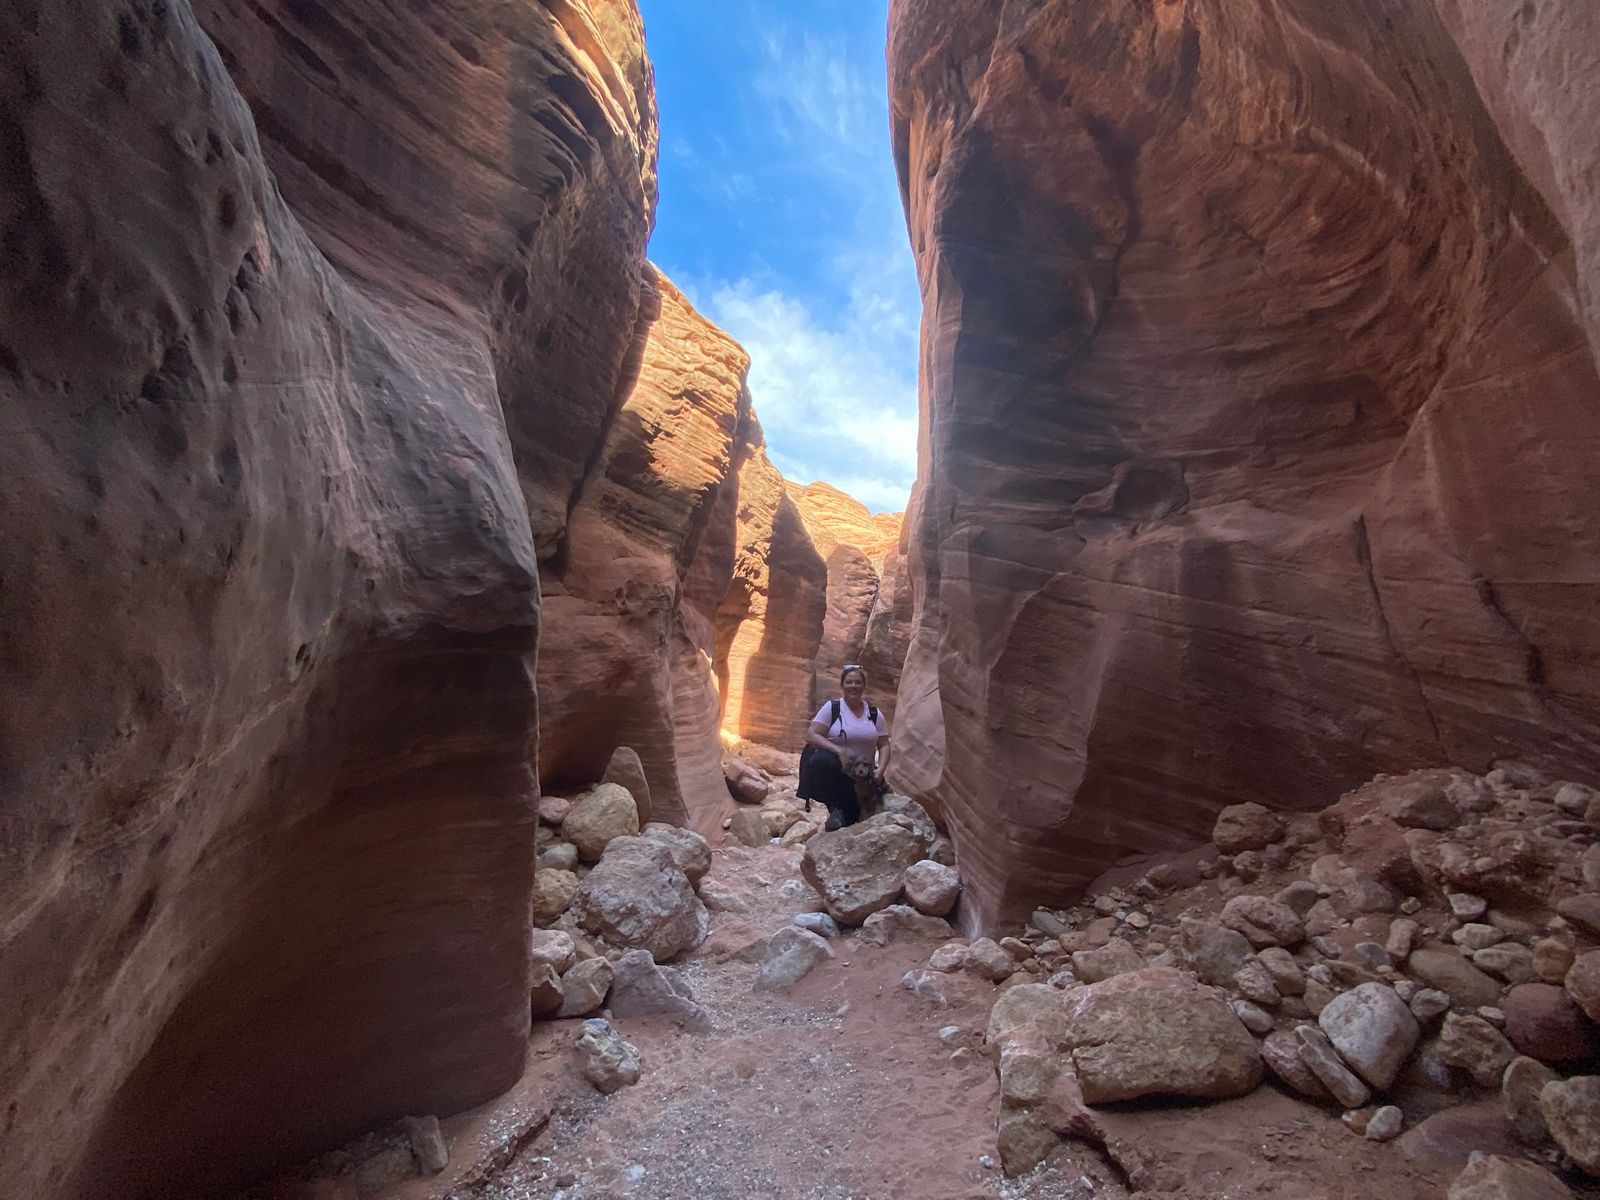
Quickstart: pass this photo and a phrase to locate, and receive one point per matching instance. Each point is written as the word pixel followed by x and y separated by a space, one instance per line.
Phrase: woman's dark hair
pixel 848 667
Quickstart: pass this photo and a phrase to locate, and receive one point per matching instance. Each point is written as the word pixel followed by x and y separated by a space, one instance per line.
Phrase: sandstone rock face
pixel 855 546
pixel 294 293
pixel 1243 477
pixel 630 600
pixel 769 622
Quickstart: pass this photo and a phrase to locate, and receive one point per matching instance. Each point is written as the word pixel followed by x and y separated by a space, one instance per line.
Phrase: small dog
pixel 869 792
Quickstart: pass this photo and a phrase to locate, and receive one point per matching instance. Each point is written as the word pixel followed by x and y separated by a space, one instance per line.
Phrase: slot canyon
pixel 408 637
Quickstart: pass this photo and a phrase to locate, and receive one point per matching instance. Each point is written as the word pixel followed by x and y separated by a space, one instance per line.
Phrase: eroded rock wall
pixel 855 545
pixel 770 621
pixel 629 602
pixel 1258 421
pixel 269 600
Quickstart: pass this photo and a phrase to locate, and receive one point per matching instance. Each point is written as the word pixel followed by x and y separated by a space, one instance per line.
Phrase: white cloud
pixel 833 354
pixel 833 404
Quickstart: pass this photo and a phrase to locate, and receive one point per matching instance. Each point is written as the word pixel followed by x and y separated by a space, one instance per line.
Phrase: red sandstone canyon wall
pixel 629 602
pixel 769 622
pixel 306 306
pixel 855 545
pixel 1259 423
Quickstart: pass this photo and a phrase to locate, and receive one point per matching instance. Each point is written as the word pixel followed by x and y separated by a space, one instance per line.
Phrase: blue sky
pixel 780 219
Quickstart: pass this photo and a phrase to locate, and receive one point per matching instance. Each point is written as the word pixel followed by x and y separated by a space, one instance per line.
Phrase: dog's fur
pixel 869 795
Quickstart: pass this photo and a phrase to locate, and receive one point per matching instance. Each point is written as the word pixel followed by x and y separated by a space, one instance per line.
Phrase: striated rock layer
pixel 769 623
pixel 1258 410
pixel 269 599
pixel 859 622
pixel 629 602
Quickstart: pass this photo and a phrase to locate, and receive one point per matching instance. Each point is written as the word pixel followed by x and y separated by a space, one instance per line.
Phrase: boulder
pixel 584 987
pixel 626 771
pixel 1264 922
pixel 724 895
pixel 1210 951
pixel 734 941
pixel 800 833
pixel 1029 1004
pixel 1157 1032
pixel 1284 971
pixel 1246 827
pixel 553 810
pixel 605 1059
pixel 1116 957
pixel 1281 1053
pixel 1545 1023
pixel 1319 1056
pixel 598 817
pixel 950 957
pixel 932 888
pixel 749 829
pixel 1520 1087
pixel 691 853
pixel 1421 803
pixel 861 869
pixel 1497 1177
pixel 818 923
pixel 1475 1046
pixel 1571 1109
pixel 553 946
pixel 1254 982
pixel 636 897
pixel 1446 971
pixel 747 784
pixel 792 954
pixel 1373 1031
pixel 553 892
pixel 987 960
pixel 1027 1064
pixel 900 921
pixel 1552 959
pixel 1583 983
pixel 781 815
pixel 1582 912
pixel 544 989
pixel 1508 961
pixel 642 988
pixel 558 856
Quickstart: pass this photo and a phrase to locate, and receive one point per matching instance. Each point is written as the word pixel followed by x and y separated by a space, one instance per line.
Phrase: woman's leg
pixel 819 778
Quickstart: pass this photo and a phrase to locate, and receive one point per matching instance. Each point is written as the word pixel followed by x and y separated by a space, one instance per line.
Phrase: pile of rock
pixel 1425 939
pixel 868 867
pixel 627 895
pixel 780 820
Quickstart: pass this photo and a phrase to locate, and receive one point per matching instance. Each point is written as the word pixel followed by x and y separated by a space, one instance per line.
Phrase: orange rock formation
pixel 1258 421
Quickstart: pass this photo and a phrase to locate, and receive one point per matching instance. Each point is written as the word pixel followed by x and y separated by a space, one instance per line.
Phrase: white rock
pixel 932 888
pixel 818 923
pixel 792 954
pixel 1373 1031
pixel 606 1060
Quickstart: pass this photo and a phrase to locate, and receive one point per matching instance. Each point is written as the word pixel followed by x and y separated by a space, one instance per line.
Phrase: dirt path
pixel 837 1088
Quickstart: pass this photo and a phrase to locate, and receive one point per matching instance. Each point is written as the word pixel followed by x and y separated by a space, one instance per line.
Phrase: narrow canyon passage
pixel 416 593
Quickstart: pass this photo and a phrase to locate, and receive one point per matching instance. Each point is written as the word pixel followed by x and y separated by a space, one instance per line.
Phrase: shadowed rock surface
pixel 271 301
pixel 1257 379
pixel 629 602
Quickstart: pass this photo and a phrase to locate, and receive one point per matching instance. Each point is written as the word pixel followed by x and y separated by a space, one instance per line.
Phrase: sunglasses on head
pixel 852 667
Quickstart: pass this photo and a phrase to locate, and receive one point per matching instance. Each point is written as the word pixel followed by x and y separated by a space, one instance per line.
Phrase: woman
pixel 844 734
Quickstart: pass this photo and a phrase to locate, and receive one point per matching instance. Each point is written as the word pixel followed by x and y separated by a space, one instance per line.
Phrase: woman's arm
pixel 883 755
pixel 817 736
